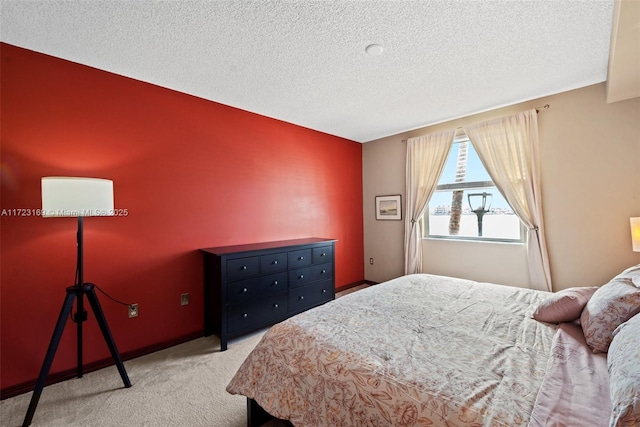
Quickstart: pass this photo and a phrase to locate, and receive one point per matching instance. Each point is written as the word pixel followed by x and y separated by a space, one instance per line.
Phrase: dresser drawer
pixel 241 268
pixel 273 262
pixel 323 254
pixel 299 258
pixel 250 289
pixel 303 276
pixel 247 287
pixel 307 296
pixel 244 316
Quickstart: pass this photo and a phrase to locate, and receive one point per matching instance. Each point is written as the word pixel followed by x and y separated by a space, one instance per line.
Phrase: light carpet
pixel 184 385
pixel 179 386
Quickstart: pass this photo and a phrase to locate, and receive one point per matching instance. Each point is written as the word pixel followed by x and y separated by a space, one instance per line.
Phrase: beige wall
pixel 590 165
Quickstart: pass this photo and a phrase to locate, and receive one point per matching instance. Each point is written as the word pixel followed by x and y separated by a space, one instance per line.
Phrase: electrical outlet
pixel 133 310
pixel 184 299
pixel 371 261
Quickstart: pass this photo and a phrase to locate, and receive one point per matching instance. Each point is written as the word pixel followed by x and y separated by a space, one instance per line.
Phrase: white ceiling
pixel 304 62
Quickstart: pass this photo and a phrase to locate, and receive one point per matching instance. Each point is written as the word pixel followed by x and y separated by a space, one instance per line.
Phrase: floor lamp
pixel 76 197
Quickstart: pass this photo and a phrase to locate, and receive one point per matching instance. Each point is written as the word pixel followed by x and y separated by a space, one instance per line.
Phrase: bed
pixel 430 350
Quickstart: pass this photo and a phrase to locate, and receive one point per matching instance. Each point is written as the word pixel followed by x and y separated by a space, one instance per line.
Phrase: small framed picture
pixel 388 208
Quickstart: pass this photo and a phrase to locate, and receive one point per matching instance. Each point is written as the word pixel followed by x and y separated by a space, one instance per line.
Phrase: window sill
pixel 474 240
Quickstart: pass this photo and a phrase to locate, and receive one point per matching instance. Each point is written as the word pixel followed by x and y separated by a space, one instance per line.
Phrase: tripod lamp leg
pixel 51 352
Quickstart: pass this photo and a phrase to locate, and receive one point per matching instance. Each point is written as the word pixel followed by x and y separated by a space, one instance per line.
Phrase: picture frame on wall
pixel 389 208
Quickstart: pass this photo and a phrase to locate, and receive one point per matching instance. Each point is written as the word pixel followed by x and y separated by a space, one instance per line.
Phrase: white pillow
pixel 633 274
pixel 623 361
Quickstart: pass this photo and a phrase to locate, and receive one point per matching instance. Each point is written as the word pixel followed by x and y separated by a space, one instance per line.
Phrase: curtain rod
pixel 544 107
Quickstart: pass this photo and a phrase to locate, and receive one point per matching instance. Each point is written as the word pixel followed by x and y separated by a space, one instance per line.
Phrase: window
pixel 467 205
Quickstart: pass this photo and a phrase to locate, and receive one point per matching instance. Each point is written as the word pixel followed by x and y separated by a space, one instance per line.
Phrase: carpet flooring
pixel 180 386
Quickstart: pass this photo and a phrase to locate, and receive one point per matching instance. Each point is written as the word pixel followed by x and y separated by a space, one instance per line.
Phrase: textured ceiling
pixel 304 62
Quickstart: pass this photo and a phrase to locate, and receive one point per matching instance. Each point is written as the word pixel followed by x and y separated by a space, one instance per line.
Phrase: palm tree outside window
pixel 449 215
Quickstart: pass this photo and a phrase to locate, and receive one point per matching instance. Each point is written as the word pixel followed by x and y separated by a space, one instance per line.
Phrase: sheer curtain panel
pixel 508 148
pixel 426 157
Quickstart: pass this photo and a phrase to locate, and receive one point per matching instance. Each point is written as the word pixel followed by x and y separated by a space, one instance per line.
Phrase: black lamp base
pixel 74 292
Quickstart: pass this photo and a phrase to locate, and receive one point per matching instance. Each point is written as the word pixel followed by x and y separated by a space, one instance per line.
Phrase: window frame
pixel 466 186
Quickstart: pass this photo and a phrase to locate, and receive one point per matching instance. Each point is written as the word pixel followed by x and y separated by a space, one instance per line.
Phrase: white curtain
pixel 426 156
pixel 508 148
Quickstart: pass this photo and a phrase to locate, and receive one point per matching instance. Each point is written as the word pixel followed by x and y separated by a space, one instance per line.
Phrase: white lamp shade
pixel 635 233
pixel 76 196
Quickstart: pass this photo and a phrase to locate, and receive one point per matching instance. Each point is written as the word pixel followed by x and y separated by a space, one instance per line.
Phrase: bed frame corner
pixel 256 416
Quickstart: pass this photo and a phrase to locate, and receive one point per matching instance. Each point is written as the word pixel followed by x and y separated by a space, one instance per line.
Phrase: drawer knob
pixel 245 315
pixel 324 291
pixel 244 267
pixel 324 271
pixel 244 290
pixel 301 296
pixel 301 258
pixel 275 262
pixel 275 306
pixel 323 254
pixel 275 283
pixel 301 276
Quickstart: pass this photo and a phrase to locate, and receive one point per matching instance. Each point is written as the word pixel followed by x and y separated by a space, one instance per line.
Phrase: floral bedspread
pixel 420 350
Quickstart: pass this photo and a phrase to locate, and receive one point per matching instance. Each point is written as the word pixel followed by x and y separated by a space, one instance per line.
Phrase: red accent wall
pixel 191 173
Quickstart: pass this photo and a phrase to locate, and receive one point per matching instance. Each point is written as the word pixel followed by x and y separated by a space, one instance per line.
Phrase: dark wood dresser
pixel 247 287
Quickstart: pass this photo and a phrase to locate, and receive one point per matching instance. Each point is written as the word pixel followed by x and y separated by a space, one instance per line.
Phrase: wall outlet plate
pixel 184 299
pixel 133 310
